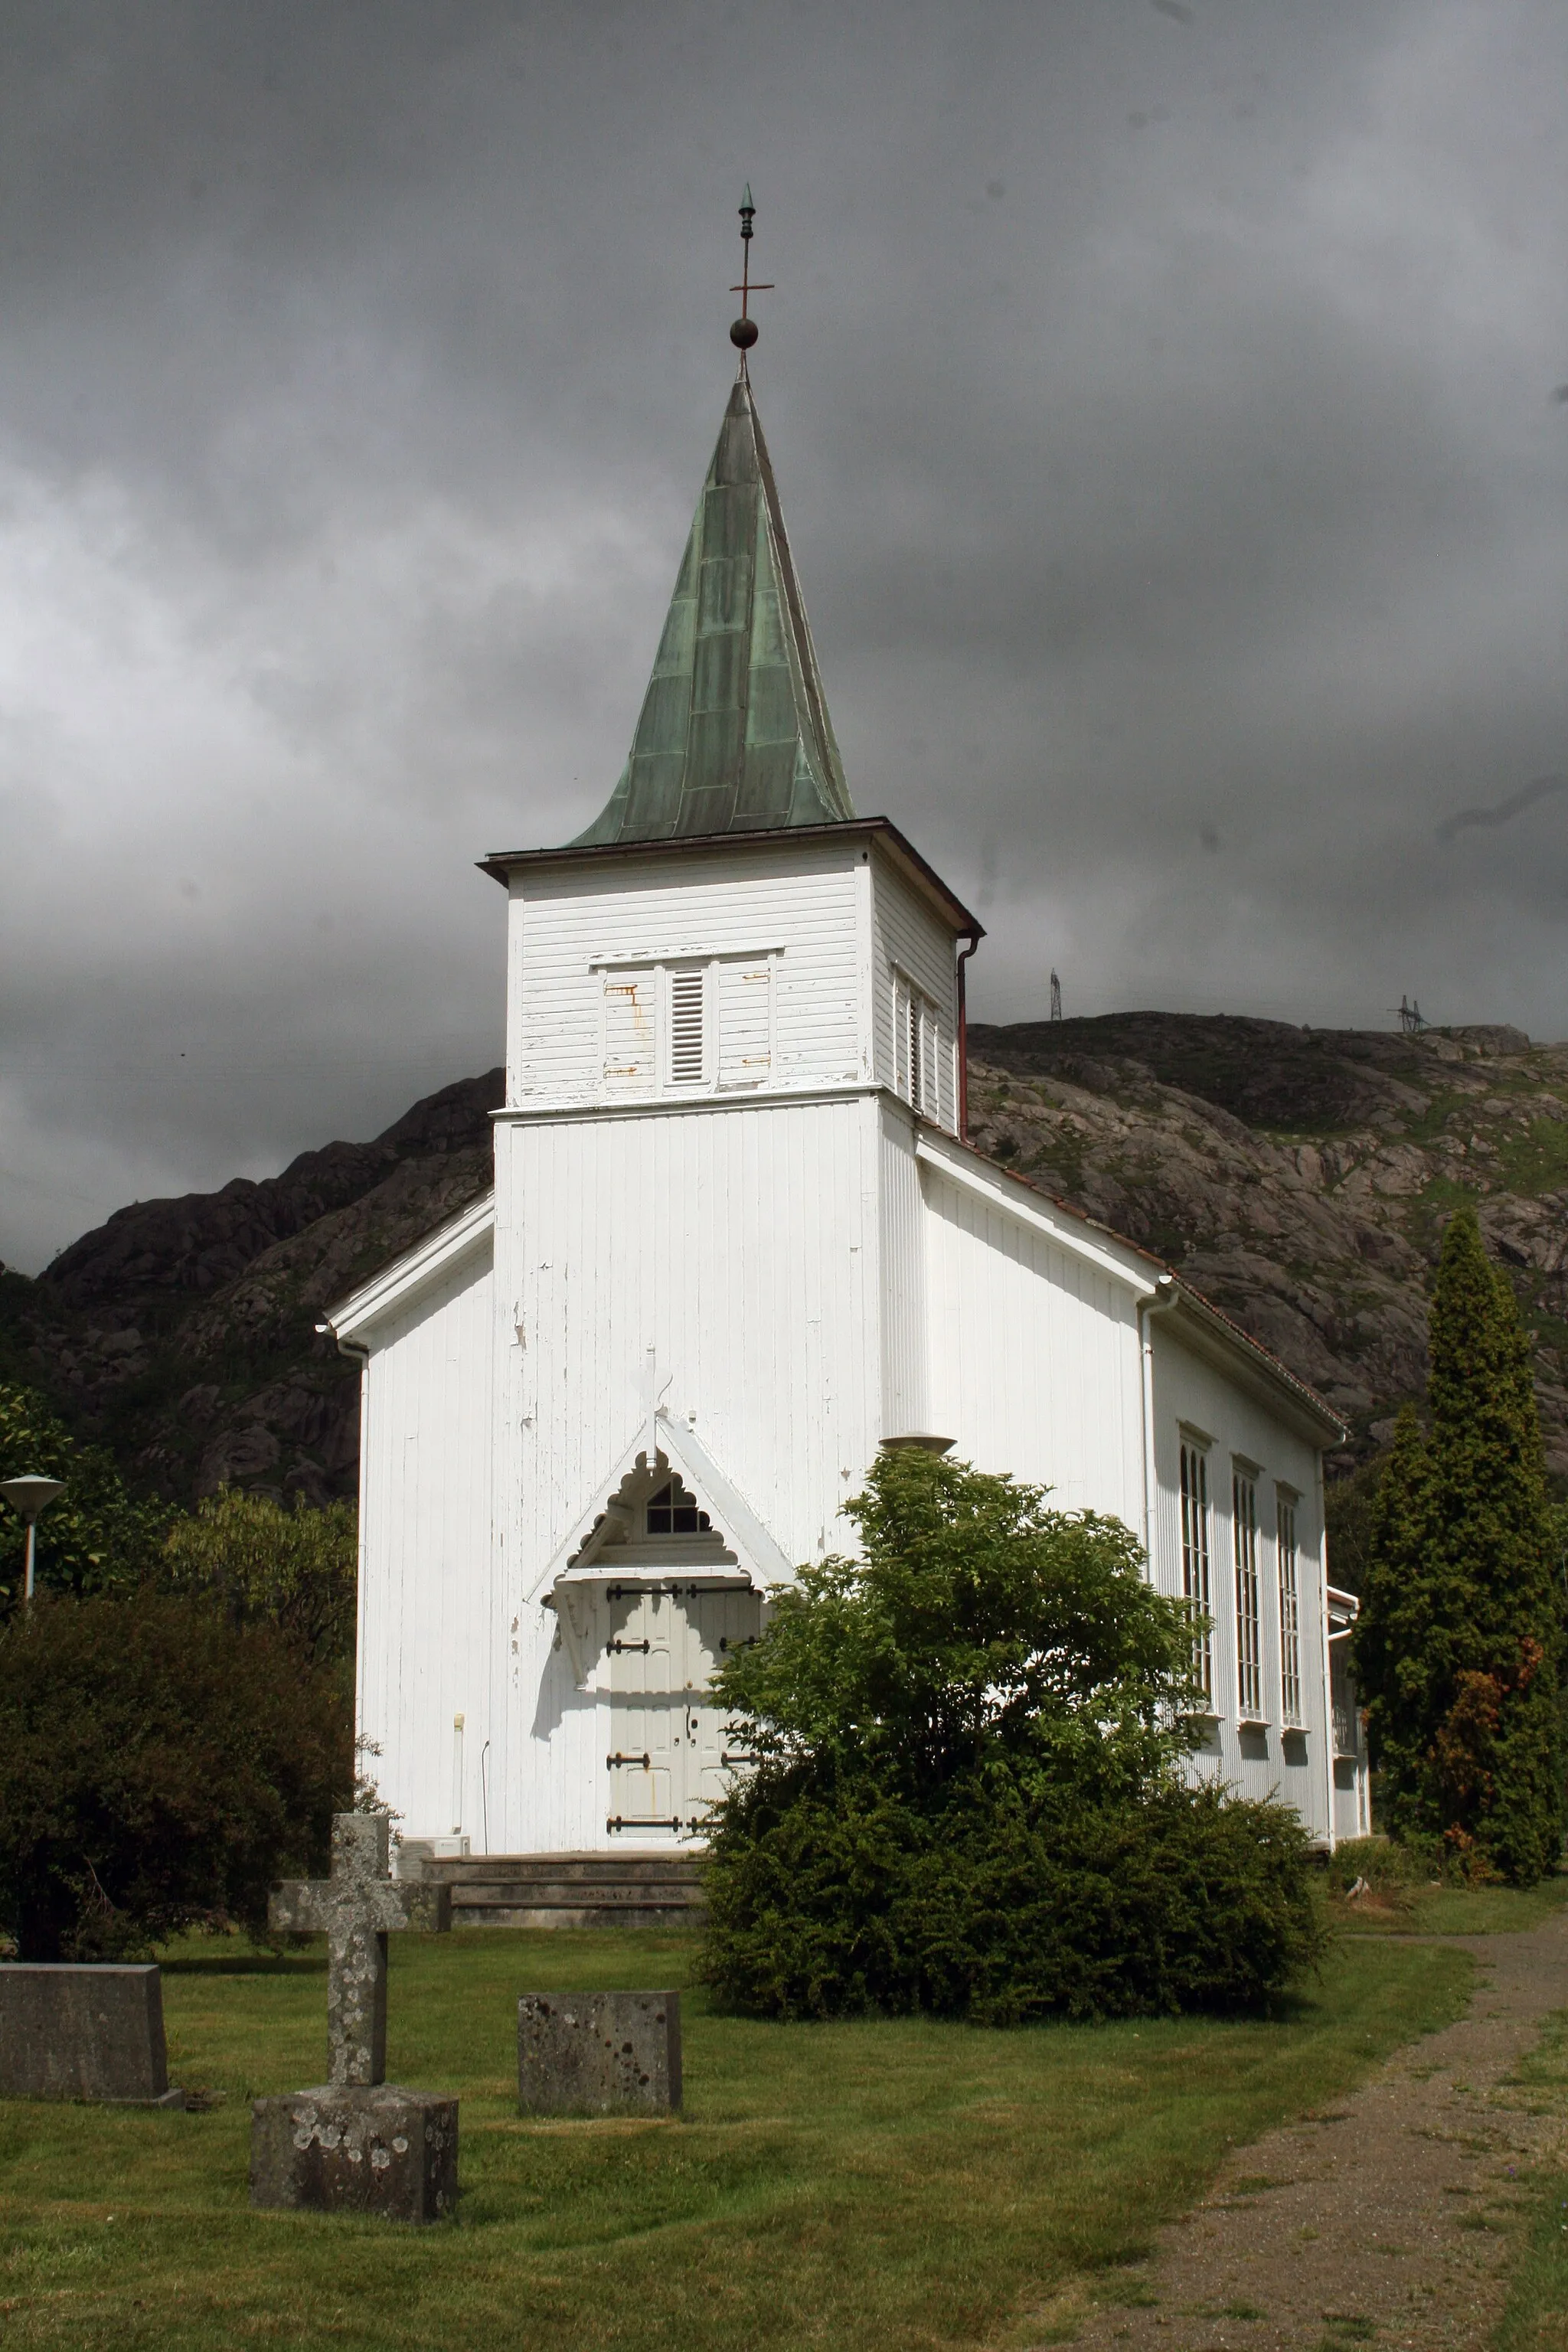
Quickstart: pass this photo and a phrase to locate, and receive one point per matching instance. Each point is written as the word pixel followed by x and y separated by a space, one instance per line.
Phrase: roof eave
pixel 501 864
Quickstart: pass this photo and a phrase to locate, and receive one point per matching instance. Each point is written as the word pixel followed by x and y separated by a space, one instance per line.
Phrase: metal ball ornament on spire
pixel 743 334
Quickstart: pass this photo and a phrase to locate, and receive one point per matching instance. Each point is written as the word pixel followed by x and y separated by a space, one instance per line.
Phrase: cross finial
pixel 743 334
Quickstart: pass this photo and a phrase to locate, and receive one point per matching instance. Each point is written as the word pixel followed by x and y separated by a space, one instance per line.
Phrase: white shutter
pixel 745 1023
pixel 931 1075
pixel 687 1061
pixel 630 1028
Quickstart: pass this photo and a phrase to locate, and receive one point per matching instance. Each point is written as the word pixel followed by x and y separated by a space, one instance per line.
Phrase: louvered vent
pixel 686 1056
pixel 917 1072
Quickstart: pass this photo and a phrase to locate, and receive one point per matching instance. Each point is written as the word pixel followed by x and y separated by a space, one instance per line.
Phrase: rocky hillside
pixel 1300 1177
pixel 182 1332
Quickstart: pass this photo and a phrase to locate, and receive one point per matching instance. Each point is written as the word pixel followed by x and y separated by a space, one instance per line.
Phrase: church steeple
pixel 735 735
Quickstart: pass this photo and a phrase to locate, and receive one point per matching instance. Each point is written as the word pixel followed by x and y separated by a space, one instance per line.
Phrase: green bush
pixel 969 1794
pixel 158 1768
pixel 827 1905
pixel 261 1564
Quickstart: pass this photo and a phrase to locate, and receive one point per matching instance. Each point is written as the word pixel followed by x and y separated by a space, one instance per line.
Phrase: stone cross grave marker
pixel 357 2142
pixel 356 1908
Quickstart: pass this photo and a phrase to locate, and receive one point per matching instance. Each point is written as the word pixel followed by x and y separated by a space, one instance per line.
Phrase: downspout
pixel 1163 1298
pixel 964 955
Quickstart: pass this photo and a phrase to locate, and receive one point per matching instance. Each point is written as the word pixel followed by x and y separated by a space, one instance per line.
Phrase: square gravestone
pixel 356 2149
pixel 87 2031
pixel 598 2053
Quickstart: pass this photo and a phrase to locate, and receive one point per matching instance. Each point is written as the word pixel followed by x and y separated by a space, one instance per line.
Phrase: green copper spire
pixel 735 735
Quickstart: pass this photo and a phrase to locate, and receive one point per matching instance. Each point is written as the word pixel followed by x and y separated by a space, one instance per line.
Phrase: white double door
pixel 669 1759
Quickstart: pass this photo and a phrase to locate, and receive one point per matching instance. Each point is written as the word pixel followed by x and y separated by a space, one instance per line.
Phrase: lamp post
pixel 27 1498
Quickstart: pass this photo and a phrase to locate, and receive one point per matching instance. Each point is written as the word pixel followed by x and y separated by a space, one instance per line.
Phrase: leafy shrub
pixel 261 1564
pixel 834 1904
pixel 158 1768
pixel 95 1537
pixel 969 1796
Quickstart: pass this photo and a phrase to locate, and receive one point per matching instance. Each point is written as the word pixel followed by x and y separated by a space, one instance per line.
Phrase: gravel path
pixel 1368 2223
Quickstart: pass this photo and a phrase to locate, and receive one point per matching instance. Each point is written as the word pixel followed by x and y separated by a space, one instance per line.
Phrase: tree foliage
pixel 968 1794
pixel 1458 1649
pixel 261 1564
pixel 95 1537
pixel 158 1767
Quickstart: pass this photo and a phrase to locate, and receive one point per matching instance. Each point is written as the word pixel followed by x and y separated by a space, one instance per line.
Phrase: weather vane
pixel 743 334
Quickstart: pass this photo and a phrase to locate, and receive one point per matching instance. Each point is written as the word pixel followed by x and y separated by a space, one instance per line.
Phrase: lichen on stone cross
pixel 355 1908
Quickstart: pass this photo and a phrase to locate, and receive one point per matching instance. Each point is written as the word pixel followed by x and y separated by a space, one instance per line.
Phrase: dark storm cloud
pixel 1502 812
pixel 1162 400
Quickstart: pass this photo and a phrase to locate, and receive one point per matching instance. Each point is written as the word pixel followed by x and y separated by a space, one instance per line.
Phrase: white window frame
pixel 1287 1577
pixel 1244 1477
pixel 1196 1521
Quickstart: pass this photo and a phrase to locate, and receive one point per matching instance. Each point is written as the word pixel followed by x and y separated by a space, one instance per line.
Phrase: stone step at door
pixel 571 1890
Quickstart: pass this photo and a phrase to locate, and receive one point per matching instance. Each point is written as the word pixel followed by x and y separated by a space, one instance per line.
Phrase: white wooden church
pixel 737 1242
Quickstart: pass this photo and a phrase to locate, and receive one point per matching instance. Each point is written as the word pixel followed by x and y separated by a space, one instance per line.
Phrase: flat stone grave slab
pixel 74 2030
pixel 353 2147
pixel 598 2053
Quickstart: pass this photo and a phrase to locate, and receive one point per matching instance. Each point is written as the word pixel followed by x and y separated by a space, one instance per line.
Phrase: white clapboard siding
pixel 915 1007
pixel 1034 1354
pixel 426 1642
pixel 792 904
pixel 905 1402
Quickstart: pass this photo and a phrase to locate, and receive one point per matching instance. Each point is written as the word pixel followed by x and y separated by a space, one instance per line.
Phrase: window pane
pixel 1196 1561
pixel 1289 1618
pixel 1248 1620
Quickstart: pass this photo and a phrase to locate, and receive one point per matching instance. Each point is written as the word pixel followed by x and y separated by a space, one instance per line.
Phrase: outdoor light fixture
pixel 27 1498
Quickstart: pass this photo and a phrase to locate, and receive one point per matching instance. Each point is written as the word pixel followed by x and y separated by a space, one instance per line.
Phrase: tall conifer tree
pixel 1458 1647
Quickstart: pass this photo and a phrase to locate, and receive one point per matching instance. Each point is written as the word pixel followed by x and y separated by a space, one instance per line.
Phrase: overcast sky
pixel 1170 406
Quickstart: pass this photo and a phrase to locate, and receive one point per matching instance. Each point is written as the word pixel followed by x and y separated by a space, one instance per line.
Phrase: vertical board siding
pixel 913 939
pixel 426 1596
pixel 799 901
pixel 1034 1355
pixel 1190 1392
pixel 735 1242
pixel 905 1404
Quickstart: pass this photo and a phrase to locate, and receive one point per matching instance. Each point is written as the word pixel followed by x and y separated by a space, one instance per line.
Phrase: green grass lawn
pixel 1454 1910
pixel 897 2184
